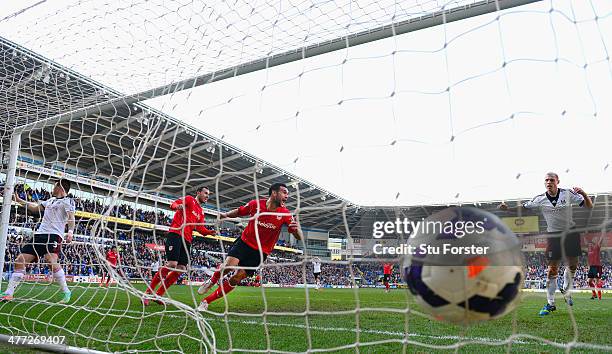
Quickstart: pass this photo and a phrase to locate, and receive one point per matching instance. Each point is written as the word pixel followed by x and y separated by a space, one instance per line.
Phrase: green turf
pixel 111 320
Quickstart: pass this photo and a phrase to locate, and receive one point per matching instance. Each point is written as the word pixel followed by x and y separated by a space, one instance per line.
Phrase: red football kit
pixel 594 255
pixel 112 258
pixel 190 218
pixel 268 226
pixel 387 268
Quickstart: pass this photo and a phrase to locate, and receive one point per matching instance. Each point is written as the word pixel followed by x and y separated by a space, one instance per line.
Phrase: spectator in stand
pixel 282 268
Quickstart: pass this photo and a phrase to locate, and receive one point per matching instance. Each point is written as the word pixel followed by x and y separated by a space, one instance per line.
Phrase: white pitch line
pixel 483 340
pixel 322 299
pixel 331 329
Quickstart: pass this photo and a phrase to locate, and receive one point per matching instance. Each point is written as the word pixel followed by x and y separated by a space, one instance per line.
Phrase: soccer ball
pixel 459 284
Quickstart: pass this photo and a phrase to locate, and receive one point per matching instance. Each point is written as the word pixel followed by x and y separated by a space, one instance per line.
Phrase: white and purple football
pixel 474 276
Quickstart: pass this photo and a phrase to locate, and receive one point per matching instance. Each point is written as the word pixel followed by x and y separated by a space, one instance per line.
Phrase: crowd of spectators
pixel 139 250
pixel 136 260
pixel 80 258
pixel 358 274
pixel 123 210
pixel 96 206
pixel 536 269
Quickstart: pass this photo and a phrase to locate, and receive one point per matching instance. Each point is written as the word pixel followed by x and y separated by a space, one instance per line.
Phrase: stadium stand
pixel 80 259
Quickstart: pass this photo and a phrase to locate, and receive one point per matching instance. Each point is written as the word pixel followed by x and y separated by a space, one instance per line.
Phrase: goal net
pixel 367 110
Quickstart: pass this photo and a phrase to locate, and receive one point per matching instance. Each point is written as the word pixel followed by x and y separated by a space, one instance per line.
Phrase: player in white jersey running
pixel 47 241
pixel 556 206
pixel 316 271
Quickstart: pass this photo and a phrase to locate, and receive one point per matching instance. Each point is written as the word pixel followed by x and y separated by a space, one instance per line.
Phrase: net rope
pixel 125 155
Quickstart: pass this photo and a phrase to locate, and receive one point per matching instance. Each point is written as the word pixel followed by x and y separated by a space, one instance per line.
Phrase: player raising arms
pixel 316 271
pixel 47 241
pixel 188 216
pixel 387 268
pixel 256 242
pixel 554 204
pixel 595 268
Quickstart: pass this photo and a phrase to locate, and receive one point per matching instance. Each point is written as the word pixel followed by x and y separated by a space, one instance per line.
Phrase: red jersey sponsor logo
pixel 268 226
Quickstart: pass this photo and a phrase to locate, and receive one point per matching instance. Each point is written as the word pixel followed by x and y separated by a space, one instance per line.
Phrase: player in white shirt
pixel 155 267
pixel 556 206
pixel 47 241
pixel 316 265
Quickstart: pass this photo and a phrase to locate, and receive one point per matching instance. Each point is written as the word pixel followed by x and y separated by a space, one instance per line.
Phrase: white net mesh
pixel 178 40
pixel 389 122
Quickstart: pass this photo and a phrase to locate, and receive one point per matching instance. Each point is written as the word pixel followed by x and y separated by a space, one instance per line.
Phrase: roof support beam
pixel 314 197
pixel 89 139
pixel 175 131
pixel 247 184
pixel 177 156
pixel 200 170
pixel 259 180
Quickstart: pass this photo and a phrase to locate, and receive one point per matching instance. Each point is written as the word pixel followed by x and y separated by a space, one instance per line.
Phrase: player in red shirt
pixel 189 216
pixel 112 258
pixel 600 284
pixel 595 268
pixel 250 250
pixel 387 269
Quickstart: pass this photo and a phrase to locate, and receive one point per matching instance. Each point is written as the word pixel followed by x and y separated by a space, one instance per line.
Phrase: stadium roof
pixel 178 58
pixel 134 143
pixel 175 157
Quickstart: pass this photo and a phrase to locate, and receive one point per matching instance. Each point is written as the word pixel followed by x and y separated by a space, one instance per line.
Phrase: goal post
pixel 138 105
pixel 7 200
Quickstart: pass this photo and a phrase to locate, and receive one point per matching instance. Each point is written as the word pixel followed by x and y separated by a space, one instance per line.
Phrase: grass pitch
pixel 115 320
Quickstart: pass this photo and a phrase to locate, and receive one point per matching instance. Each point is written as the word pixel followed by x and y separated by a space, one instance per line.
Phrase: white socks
pixel 60 277
pixel 13 282
pixel 551 287
pixel 568 279
pixel 17 276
